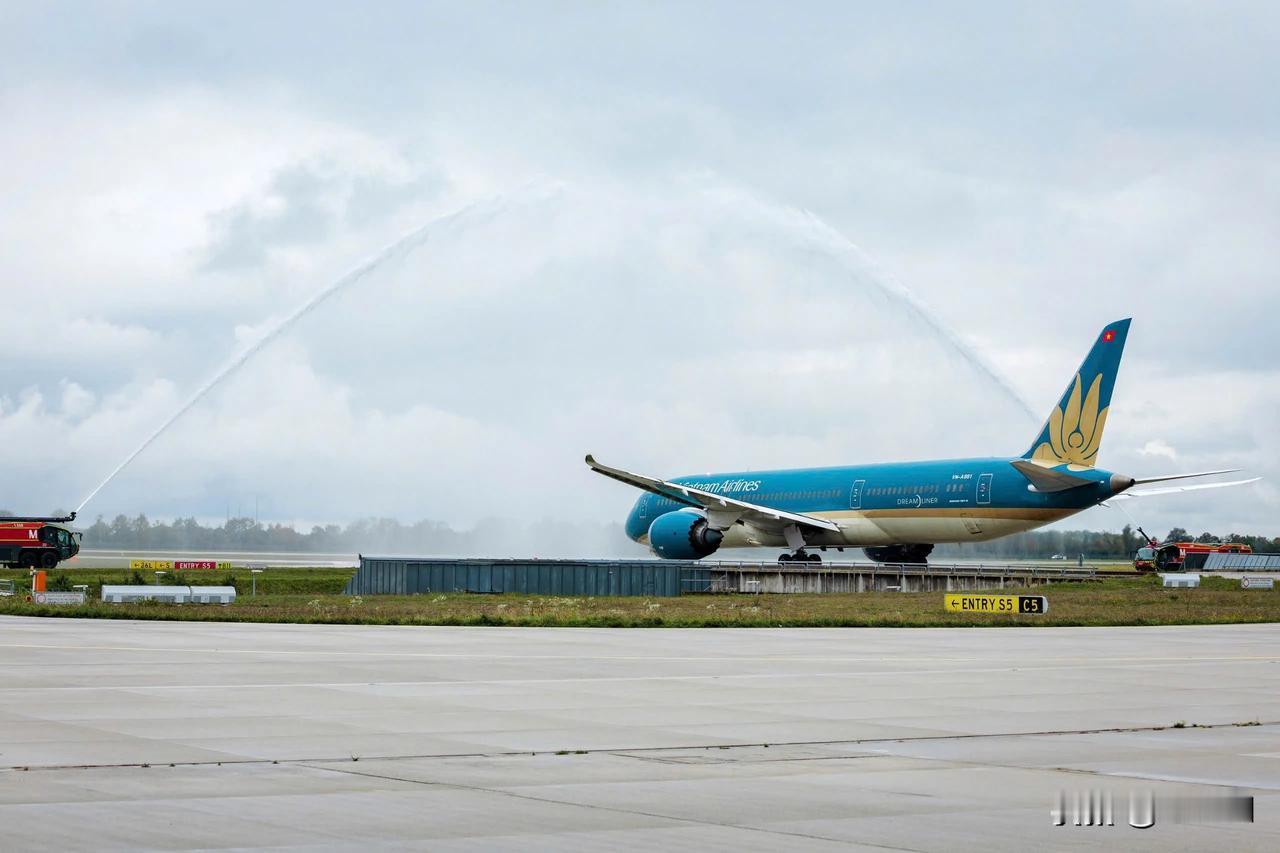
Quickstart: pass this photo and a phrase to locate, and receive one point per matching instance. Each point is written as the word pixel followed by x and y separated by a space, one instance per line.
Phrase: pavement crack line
pixel 1078 771
pixel 597 807
pixel 630 752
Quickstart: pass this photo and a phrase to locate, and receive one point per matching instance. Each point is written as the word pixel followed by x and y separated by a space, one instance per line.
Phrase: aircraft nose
pixel 1120 482
pixel 636 527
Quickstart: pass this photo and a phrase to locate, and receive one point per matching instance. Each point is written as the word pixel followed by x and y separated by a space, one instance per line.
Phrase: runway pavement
pixel 120 734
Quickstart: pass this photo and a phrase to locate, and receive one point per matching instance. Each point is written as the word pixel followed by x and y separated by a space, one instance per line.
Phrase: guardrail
pixel 1033 569
pixel 751 576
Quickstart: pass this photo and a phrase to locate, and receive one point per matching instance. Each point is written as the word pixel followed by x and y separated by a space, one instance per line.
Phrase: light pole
pixel 253 574
pixel 158 574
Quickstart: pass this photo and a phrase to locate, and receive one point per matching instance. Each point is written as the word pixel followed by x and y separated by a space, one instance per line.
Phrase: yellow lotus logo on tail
pixel 1076 431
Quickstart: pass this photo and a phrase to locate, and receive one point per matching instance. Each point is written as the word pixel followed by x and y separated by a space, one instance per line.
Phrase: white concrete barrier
pixel 122 594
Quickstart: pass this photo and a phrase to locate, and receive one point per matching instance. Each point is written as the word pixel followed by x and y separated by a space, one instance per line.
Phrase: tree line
pixel 548 538
pixel 491 537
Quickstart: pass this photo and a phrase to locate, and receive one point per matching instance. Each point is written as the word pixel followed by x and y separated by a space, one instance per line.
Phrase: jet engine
pixel 683 535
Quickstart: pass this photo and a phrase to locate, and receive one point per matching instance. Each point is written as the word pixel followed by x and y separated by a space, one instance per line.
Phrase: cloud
pixel 76 401
pixel 303 205
pixel 671 308
pixel 1157 447
pixel 294 213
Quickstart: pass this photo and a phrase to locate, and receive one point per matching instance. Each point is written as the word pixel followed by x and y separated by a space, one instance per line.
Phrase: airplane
pixel 898 511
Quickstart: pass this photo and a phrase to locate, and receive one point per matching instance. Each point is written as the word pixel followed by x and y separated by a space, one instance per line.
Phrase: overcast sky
pixel 693 237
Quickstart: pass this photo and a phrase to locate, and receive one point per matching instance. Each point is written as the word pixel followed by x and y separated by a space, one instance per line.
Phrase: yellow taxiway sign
pixel 976 602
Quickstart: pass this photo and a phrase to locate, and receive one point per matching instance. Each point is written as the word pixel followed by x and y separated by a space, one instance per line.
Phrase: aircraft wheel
pixel 815 558
pixel 784 558
pixel 918 554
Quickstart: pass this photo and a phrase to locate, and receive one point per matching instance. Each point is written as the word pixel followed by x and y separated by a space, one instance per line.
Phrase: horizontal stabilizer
pixel 1046 479
pixel 1166 477
pixel 1169 490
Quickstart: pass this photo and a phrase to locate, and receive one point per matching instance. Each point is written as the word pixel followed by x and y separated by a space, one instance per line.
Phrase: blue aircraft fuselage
pixel 949 500
pixel 896 510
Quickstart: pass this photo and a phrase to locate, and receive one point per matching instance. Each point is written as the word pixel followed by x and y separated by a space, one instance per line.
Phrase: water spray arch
pixel 798 227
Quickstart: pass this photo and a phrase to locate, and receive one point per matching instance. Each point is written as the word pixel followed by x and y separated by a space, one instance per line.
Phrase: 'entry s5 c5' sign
pixel 964 602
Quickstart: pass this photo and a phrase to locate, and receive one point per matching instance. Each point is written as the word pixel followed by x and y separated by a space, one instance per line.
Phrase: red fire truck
pixel 1182 556
pixel 31 543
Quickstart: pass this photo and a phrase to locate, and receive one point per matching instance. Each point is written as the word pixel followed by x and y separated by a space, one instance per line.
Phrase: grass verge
pixel 1124 601
pixel 282 581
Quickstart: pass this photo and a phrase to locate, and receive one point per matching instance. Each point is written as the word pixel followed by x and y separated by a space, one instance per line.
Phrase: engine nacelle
pixel 683 535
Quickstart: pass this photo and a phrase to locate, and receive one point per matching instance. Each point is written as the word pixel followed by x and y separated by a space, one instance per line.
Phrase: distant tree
pixel 4 513
pixel 98 532
pixel 1129 541
pixel 1178 534
pixel 141 529
pixel 1206 537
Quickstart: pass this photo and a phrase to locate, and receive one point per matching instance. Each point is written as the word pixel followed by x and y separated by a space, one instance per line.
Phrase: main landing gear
pixel 795 541
pixel 909 554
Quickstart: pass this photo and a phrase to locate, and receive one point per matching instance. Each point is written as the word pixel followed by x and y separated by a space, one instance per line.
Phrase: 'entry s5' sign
pixel 965 602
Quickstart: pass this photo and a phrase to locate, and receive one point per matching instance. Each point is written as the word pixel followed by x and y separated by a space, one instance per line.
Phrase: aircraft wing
pixel 1169 490
pixel 722 510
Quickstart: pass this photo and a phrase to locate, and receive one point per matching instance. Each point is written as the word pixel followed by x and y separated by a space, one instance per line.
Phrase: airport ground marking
pixel 520 795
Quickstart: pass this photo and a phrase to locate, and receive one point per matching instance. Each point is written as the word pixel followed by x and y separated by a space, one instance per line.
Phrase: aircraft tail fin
pixel 1073 432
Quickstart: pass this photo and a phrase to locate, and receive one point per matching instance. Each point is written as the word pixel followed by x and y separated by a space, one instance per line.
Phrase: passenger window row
pixel 662 503
pixel 756 497
pixel 923 489
pixel 813 494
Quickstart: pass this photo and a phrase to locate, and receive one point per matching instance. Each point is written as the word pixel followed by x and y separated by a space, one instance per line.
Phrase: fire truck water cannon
pixel 37 542
pixel 1182 556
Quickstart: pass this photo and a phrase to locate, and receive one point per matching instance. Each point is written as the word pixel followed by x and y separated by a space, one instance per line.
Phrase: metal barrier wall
pixel 419 575
pixel 1219 562
pixel 409 575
